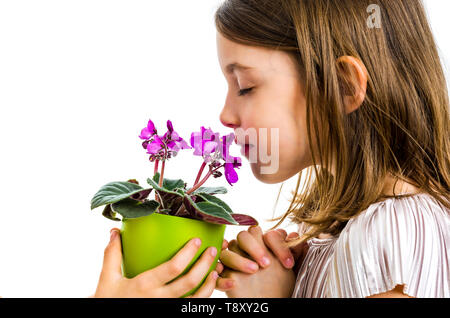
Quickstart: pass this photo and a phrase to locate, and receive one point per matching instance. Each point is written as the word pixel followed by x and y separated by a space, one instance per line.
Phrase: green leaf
pixel 210 190
pixel 169 184
pixel 216 200
pixel 212 212
pixel 114 192
pixel 131 209
pixel 109 214
pixel 156 186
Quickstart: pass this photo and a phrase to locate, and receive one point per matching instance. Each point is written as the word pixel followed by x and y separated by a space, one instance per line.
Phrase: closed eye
pixel 243 92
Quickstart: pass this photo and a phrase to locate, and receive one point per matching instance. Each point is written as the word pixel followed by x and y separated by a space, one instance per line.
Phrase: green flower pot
pixel 152 240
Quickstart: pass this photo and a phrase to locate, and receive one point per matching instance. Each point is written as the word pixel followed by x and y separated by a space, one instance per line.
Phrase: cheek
pixel 283 109
pixel 293 156
pixel 293 149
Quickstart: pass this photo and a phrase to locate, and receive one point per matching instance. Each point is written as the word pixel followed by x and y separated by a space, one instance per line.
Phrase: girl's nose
pixel 228 119
pixel 229 125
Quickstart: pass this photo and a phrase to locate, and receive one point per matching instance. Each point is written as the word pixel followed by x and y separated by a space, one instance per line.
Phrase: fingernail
pixel 197 242
pixel 215 275
pixel 265 261
pixel 289 262
pixel 113 235
pixel 213 251
pixel 252 266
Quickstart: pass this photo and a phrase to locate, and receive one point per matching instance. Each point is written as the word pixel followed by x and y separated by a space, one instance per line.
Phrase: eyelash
pixel 243 92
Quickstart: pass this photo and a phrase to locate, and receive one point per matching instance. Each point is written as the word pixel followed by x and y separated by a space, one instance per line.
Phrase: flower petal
pixel 196 140
pixel 151 127
pixel 169 126
pixel 155 146
pixel 230 174
pixel 209 147
pixel 226 143
pixel 173 146
pixel 183 144
pixel 174 136
pixel 145 134
pixel 148 131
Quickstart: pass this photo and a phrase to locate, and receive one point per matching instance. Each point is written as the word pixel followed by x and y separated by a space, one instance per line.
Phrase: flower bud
pixel 217 174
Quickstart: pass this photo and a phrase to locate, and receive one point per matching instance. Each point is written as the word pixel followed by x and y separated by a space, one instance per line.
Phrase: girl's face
pixel 265 91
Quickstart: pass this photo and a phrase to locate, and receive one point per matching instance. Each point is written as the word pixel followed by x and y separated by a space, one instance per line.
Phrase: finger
pixel 292 236
pixel 237 262
pixel 224 244
pixel 256 231
pixel 208 286
pixel 276 243
pixel 283 233
pixel 219 268
pixel 176 265
pixel 253 247
pixel 195 275
pixel 112 259
pixel 224 284
pixel 234 246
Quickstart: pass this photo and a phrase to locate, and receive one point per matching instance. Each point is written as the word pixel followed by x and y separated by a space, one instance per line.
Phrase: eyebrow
pixel 233 66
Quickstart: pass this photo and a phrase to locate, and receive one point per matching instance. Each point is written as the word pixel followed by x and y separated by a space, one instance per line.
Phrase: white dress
pixel 399 241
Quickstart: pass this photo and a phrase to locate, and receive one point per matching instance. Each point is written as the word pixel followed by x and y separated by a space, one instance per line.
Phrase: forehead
pixel 238 57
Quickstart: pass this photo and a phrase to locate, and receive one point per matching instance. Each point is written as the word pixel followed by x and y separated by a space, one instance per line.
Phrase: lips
pixel 245 149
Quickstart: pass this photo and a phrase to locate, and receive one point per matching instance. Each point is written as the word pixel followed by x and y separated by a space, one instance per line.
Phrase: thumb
pixel 112 259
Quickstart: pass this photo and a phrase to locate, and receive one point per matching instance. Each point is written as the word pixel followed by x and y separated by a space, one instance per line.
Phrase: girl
pixel 357 91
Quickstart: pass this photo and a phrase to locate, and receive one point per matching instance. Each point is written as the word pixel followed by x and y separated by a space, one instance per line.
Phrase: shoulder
pixel 416 215
pixel 399 241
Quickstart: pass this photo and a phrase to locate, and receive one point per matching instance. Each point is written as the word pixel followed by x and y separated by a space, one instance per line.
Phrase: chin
pixel 274 178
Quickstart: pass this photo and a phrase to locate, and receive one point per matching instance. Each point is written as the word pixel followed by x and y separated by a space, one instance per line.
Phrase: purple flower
pixel 205 142
pixel 173 141
pixel 226 143
pixel 231 163
pixel 165 147
pixel 230 172
pixel 156 146
pixel 149 131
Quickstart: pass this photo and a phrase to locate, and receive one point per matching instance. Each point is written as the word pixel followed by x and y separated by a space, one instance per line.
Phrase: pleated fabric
pixel 399 241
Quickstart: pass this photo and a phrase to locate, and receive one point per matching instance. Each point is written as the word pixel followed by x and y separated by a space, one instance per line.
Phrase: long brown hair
pixel 400 130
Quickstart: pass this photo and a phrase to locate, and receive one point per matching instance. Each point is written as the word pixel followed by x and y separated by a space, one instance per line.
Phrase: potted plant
pixel 155 230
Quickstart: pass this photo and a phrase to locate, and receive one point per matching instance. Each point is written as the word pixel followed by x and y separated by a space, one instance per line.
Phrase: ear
pixel 353 82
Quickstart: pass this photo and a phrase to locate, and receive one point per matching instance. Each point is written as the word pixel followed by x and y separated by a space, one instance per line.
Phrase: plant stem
pixel 154 173
pixel 156 167
pixel 200 173
pixel 162 173
pixel 176 213
pixel 161 177
pixel 198 185
pixel 159 199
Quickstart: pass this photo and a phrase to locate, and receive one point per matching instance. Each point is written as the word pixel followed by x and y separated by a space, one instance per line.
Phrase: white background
pixel 78 80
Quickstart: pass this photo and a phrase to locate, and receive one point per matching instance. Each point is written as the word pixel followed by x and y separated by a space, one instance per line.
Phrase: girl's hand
pixel 242 277
pixel 276 241
pixel 153 283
